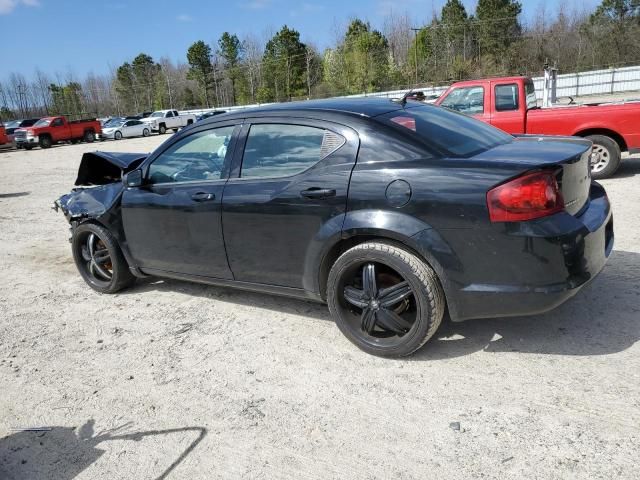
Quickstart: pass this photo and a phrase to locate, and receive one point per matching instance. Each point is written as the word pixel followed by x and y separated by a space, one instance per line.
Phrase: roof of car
pixel 362 106
pixel 489 80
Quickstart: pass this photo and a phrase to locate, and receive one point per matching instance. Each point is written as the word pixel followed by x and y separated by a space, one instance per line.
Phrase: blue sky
pixel 84 36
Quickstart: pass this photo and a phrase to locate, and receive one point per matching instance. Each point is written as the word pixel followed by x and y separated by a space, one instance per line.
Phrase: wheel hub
pixel 380 307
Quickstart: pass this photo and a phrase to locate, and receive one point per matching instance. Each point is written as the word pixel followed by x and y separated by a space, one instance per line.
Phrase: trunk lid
pixel 571 156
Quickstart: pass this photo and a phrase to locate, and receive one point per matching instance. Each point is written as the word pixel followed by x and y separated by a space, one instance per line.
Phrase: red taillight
pixel 533 195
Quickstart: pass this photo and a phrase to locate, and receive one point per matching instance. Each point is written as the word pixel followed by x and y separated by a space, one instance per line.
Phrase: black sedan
pixel 390 212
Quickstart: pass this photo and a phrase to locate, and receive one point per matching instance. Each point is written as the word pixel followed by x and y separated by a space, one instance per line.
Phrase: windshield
pixel 44 122
pixel 114 123
pixel 443 130
pixel 157 114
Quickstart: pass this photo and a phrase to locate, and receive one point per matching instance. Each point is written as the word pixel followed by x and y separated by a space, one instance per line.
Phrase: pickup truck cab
pixel 51 130
pixel 163 120
pixel 509 103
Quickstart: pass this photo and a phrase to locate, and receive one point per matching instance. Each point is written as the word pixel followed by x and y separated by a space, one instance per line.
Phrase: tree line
pixel 454 45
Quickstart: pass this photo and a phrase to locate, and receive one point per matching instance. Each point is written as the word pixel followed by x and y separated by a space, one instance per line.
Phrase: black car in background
pixel 12 126
pixel 390 212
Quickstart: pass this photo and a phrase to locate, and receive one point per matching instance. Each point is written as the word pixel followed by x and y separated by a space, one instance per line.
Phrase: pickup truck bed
pixel 509 103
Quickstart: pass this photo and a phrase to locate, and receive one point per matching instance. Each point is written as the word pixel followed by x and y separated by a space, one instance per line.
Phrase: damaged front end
pixel 98 185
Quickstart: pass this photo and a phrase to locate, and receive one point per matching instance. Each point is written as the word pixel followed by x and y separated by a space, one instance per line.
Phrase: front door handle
pixel 203 197
pixel 316 192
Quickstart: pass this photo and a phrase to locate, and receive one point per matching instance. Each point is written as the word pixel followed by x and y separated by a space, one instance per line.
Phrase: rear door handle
pixel 203 197
pixel 316 192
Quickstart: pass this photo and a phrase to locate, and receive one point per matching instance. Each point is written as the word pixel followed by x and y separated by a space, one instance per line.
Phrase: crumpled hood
pixel 99 184
pixel 99 168
pixel 89 202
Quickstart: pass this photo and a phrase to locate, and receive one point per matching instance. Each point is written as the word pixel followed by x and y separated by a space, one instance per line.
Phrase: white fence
pixel 595 82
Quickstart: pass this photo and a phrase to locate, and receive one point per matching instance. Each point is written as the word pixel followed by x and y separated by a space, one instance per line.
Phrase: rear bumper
pixel 559 255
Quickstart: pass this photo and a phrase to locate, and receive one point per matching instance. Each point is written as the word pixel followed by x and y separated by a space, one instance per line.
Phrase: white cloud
pixel 256 4
pixel 184 18
pixel 306 8
pixel 8 6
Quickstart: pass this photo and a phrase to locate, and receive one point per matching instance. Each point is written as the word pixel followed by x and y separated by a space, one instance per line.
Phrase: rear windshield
pixel 448 132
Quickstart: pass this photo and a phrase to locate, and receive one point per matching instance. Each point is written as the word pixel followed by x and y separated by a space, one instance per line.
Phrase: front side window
pixel 57 122
pixel 278 150
pixel 169 114
pixel 506 97
pixel 445 131
pixel 197 157
pixel 468 100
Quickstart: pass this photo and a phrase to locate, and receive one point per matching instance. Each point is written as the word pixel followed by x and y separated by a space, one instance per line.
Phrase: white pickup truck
pixel 163 120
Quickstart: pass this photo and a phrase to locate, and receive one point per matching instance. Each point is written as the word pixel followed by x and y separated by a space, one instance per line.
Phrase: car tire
pixel 607 156
pixel 28 147
pixel 89 136
pixel 162 129
pixel 395 269
pixel 45 142
pixel 175 130
pixel 145 132
pixel 99 259
pixel 117 135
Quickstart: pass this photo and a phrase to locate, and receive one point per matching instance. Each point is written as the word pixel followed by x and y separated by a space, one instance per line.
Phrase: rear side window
pixel 506 97
pixel 468 100
pixel 447 132
pixel 530 92
pixel 279 150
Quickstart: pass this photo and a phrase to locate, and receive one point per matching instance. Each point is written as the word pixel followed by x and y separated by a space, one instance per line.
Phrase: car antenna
pixel 403 100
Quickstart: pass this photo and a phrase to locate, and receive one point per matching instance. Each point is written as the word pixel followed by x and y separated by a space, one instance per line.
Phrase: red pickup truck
pixel 509 103
pixel 50 130
pixel 3 135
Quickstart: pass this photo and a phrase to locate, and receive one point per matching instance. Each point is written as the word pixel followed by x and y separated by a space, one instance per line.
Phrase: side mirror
pixel 133 178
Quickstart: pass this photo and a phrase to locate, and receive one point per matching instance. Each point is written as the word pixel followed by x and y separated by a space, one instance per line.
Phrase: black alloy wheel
pixel 99 259
pixel 385 299
pixel 382 309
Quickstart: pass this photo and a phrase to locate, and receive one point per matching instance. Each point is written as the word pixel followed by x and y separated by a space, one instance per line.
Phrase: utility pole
pixel 22 93
pixel 166 77
pixel 415 51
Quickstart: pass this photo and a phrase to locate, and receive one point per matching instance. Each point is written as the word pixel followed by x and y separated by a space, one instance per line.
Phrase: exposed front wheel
pixel 162 129
pixel 145 132
pixel 385 299
pixel 45 142
pixel 99 259
pixel 117 135
pixel 605 156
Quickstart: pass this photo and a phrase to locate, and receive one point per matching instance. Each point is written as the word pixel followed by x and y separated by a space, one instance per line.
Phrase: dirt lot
pixel 174 380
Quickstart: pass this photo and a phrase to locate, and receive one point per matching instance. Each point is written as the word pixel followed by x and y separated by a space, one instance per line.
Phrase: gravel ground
pixel 177 380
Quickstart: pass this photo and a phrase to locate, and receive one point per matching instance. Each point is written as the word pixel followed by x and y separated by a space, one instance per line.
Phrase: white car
pixel 163 120
pixel 117 129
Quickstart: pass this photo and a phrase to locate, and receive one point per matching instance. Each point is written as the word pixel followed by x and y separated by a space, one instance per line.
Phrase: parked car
pixel 119 129
pixel 204 116
pixel 510 103
pixel 12 126
pixel 389 212
pixel 51 130
pixel 163 120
